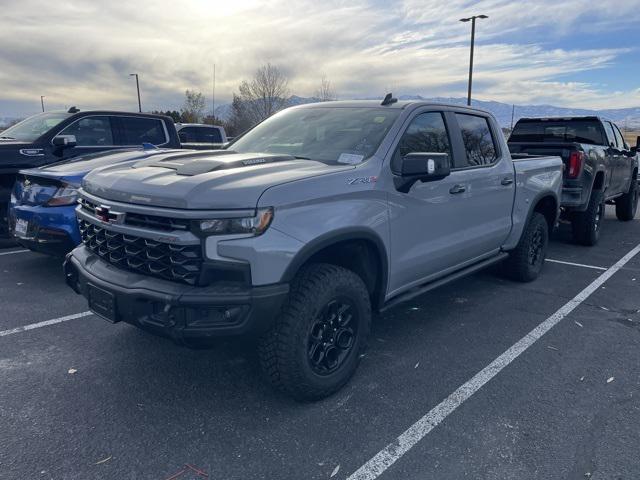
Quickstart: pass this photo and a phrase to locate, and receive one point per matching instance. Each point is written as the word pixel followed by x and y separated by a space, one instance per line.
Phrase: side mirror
pixel 637 143
pixel 426 167
pixel 64 141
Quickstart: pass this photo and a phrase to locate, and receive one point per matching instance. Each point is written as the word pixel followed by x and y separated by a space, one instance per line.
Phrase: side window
pixel 478 140
pixel 91 132
pixel 611 137
pixel 139 130
pixel 427 134
pixel 201 135
pixel 619 138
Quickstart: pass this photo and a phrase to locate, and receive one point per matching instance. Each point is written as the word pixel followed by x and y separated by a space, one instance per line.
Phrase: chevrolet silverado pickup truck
pixel 307 224
pixel 599 168
pixel 50 137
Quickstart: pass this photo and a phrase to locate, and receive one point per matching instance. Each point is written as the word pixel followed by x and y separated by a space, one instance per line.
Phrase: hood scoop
pixel 204 162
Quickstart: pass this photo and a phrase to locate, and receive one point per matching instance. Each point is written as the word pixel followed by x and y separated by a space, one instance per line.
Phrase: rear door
pixel 625 162
pixel 486 175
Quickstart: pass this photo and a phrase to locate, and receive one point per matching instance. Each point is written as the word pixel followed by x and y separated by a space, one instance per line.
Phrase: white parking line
pixel 575 264
pixel 416 432
pixel 11 253
pixel 46 323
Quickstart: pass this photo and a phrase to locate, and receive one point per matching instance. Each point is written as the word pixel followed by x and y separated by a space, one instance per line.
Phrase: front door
pixel 93 134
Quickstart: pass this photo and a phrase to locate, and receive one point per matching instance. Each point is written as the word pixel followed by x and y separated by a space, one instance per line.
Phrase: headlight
pixel 248 225
pixel 65 195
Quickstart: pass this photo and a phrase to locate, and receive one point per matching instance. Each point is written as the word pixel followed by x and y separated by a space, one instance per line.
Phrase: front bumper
pixel 188 315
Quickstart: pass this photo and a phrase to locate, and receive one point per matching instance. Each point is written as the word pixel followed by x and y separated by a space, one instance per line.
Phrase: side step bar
pixel 417 291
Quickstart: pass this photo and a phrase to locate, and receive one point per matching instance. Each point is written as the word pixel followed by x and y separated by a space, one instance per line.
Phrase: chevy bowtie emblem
pixel 102 212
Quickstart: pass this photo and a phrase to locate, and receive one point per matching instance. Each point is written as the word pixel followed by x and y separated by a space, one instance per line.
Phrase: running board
pixel 417 291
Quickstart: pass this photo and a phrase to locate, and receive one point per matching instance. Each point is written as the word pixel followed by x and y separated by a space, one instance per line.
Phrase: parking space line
pixel 416 432
pixel 576 264
pixel 12 252
pixel 46 323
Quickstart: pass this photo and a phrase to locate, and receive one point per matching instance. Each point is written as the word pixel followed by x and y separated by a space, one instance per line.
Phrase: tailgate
pixel 562 150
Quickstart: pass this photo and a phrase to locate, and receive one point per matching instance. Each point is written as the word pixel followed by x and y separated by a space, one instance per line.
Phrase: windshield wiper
pixel 6 138
pixel 298 157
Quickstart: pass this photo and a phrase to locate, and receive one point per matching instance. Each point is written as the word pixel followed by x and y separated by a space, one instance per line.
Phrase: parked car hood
pixel 75 169
pixel 201 180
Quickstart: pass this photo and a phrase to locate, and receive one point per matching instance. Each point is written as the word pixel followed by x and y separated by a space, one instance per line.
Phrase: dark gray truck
pixel 305 225
pixel 599 167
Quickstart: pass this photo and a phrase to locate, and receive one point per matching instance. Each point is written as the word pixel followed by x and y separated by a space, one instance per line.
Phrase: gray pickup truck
pixel 599 168
pixel 307 224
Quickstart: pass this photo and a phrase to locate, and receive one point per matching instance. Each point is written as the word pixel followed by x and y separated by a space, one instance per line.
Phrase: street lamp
pixel 473 37
pixel 138 88
pixel 42 102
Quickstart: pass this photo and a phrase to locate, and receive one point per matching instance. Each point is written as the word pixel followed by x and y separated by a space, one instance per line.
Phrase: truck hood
pixel 201 180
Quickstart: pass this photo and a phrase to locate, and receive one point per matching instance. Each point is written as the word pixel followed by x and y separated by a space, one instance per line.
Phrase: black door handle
pixel 457 189
pixel 506 181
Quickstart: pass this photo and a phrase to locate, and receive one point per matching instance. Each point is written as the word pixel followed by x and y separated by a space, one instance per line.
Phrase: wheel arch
pixel 359 250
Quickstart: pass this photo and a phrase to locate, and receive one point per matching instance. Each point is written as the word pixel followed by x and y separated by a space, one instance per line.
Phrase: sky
pixel 573 53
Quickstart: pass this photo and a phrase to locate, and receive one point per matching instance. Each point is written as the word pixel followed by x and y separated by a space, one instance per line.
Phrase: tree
pixel 193 108
pixel 325 92
pixel 264 95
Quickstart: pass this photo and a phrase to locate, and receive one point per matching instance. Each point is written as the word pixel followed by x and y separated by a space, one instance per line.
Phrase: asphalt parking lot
pixel 562 404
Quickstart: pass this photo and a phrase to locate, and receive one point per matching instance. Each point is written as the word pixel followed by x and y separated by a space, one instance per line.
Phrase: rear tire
pixel 525 262
pixel 586 225
pixel 627 204
pixel 315 346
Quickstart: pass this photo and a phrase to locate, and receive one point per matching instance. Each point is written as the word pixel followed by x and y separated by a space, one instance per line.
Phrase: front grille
pixel 153 222
pixel 179 263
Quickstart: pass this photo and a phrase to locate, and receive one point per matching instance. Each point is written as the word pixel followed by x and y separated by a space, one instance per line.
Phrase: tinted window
pixel 610 135
pixel 477 138
pixel 580 131
pixel 138 130
pixel 427 134
pixel 200 135
pixel 91 132
pixel 619 139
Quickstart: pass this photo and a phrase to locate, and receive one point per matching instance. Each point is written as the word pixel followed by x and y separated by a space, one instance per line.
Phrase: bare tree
pixel 325 92
pixel 264 95
pixel 193 108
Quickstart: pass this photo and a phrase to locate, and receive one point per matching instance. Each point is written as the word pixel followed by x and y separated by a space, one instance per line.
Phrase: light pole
pixel 42 102
pixel 138 88
pixel 473 38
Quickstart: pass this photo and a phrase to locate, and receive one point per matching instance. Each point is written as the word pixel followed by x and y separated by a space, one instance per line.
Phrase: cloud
pixel 81 52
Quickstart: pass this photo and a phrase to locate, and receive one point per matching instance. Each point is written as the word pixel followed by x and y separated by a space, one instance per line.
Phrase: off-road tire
pixel 284 350
pixel 627 204
pixel 586 225
pixel 525 262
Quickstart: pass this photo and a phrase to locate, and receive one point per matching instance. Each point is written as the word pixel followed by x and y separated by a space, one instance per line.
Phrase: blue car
pixel 42 214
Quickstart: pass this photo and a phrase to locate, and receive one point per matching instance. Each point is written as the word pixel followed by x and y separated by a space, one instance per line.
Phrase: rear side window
pixel 619 139
pixel 200 135
pixel 138 130
pixel 558 131
pixel 478 140
pixel 91 132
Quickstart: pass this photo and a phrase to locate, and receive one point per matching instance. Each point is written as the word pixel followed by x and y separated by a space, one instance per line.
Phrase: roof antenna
pixel 388 99
pixel 73 110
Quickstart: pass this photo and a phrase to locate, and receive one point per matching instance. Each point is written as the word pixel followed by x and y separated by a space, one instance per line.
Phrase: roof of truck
pixel 400 104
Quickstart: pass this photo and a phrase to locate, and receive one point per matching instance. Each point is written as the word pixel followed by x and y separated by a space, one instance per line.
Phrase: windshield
pixel 579 131
pixel 33 127
pixel 326 134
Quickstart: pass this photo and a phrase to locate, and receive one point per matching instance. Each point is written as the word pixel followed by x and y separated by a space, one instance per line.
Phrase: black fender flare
pixel 338 236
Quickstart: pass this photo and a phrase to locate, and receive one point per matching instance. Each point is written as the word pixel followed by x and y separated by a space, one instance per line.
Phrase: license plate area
pixel 102 303
pixel 22 227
